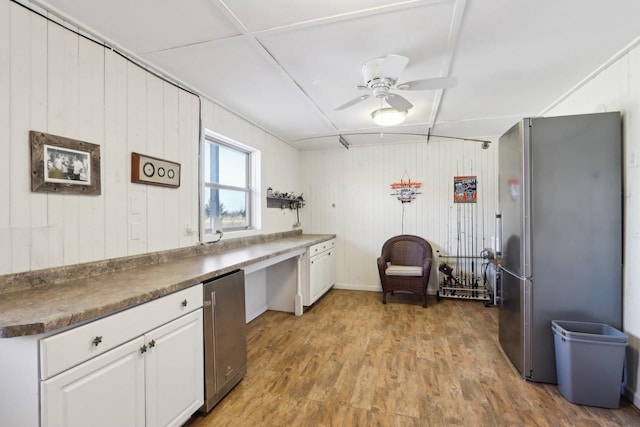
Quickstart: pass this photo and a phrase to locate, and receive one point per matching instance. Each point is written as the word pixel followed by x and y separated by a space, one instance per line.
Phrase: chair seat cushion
pixel 403 270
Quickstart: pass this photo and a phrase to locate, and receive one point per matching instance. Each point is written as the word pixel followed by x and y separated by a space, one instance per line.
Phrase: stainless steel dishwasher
pixel 225 339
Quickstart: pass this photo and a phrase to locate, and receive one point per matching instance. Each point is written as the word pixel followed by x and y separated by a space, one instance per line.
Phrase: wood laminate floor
pixel 352 361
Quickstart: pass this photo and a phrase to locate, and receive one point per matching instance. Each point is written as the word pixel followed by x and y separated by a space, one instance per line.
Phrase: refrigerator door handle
pixel 499 236
pixel 516 275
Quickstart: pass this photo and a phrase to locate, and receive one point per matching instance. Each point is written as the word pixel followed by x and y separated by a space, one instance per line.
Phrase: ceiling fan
pixel 380 77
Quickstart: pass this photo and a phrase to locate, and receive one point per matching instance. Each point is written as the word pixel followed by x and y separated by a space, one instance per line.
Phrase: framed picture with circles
pixel 154 171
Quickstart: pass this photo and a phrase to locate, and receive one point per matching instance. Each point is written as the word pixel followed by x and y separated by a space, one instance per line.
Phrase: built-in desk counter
pixel 118 338
pixel 47 303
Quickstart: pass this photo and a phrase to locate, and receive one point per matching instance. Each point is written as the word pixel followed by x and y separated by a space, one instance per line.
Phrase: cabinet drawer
pixel 318 248
pixel 70 348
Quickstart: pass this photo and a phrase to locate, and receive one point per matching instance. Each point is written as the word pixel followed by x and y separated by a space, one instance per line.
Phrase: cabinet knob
pixel 97 340
pixel 143 349
pixel 184 303
pixel 152 343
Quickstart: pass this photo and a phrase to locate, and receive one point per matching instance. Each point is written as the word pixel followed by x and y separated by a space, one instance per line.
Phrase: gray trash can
pixel 589 362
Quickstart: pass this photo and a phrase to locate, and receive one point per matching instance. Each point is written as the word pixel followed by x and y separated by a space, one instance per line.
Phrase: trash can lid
pixel 588 331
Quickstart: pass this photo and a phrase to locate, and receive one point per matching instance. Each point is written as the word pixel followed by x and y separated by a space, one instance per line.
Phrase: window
pixel 227 177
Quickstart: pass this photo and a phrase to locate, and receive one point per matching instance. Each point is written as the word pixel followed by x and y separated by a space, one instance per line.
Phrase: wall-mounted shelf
pixel 284 203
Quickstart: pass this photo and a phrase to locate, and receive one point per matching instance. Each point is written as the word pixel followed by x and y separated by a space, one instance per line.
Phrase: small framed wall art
pixel 64 165
pixel 154 171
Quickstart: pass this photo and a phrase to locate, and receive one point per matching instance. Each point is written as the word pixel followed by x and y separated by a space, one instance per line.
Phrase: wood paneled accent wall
pixel 55 81
pixel 348 193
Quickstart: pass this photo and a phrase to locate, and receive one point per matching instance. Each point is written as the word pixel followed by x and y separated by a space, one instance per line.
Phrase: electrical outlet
pixel 217 224
pixel 633 159
pixel 136 231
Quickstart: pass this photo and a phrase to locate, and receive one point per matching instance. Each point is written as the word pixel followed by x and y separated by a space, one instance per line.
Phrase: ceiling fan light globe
pixel 388 116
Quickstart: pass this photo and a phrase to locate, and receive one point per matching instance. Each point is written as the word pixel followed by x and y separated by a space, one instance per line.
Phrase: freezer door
pixel 515 255
pixel 511 328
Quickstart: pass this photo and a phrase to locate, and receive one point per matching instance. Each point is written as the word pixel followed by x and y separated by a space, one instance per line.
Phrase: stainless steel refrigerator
pixel 560 232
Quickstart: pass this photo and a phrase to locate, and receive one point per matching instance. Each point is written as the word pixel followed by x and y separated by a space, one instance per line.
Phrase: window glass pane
pixel 224 165
pixel 230 205
pixel 211 208
pixel 233 167
pixel 211 163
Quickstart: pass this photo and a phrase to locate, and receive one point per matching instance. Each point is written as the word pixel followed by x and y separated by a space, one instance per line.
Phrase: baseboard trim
pixel 369 288
pixel 632 396
pixel 256 313
pixel 350 287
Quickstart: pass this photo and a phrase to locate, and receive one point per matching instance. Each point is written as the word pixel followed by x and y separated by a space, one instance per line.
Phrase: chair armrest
pixel 382 266
pixel 426 267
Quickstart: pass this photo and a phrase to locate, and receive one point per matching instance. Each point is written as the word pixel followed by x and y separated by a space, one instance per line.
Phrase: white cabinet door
pixel 330 266
pixel 317 275
pixel 107 390
pixel 174 371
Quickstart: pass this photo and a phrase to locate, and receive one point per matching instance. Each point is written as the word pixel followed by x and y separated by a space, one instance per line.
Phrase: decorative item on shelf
pixel 269 192
pixel 405 191
pixel 284 200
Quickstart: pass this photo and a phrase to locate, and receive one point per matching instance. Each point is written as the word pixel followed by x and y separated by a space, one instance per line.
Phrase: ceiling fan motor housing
pixel 380 91
pixel 372 69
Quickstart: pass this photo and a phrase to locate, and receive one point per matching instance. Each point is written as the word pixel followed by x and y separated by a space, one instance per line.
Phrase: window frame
pixel 213 138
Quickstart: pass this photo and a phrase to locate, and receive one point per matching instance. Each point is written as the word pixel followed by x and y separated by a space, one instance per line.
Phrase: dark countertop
pixel 47 308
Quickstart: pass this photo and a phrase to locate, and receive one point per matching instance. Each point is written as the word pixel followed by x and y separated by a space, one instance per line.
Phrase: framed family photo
pixel 64 165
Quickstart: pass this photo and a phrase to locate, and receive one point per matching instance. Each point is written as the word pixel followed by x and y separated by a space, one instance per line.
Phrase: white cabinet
pixel 174 371
pixel 154 378
pixel 320 271
pixel 105 391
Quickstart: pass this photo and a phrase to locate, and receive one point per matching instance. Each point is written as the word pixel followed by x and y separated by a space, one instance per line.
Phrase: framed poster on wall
pixel 465 189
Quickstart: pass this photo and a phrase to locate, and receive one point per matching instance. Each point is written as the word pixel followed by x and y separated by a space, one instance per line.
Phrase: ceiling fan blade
pixel 352 102
pixel 429 84
pixel 398 102
pixel 393 65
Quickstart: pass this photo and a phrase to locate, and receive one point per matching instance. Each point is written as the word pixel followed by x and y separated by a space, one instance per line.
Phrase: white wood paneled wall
pixel 53 80
pixel 617 88
pixel 348 193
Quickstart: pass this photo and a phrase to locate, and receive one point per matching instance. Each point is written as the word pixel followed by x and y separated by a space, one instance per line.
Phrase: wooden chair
pixel 405 265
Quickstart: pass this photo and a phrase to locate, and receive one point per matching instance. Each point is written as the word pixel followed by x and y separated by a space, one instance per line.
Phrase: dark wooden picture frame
pixel 64 165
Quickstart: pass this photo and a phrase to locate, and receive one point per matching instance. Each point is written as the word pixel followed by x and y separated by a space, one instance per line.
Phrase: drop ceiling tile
pixel 334 53
pixel 150 25
pixel 518 57
pixel 286 12
pixel 236 74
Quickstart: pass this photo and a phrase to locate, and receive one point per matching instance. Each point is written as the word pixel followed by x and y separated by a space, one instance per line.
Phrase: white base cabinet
pixel 174 376
pixel 139 367
pixel 320 271
pixel 106 391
